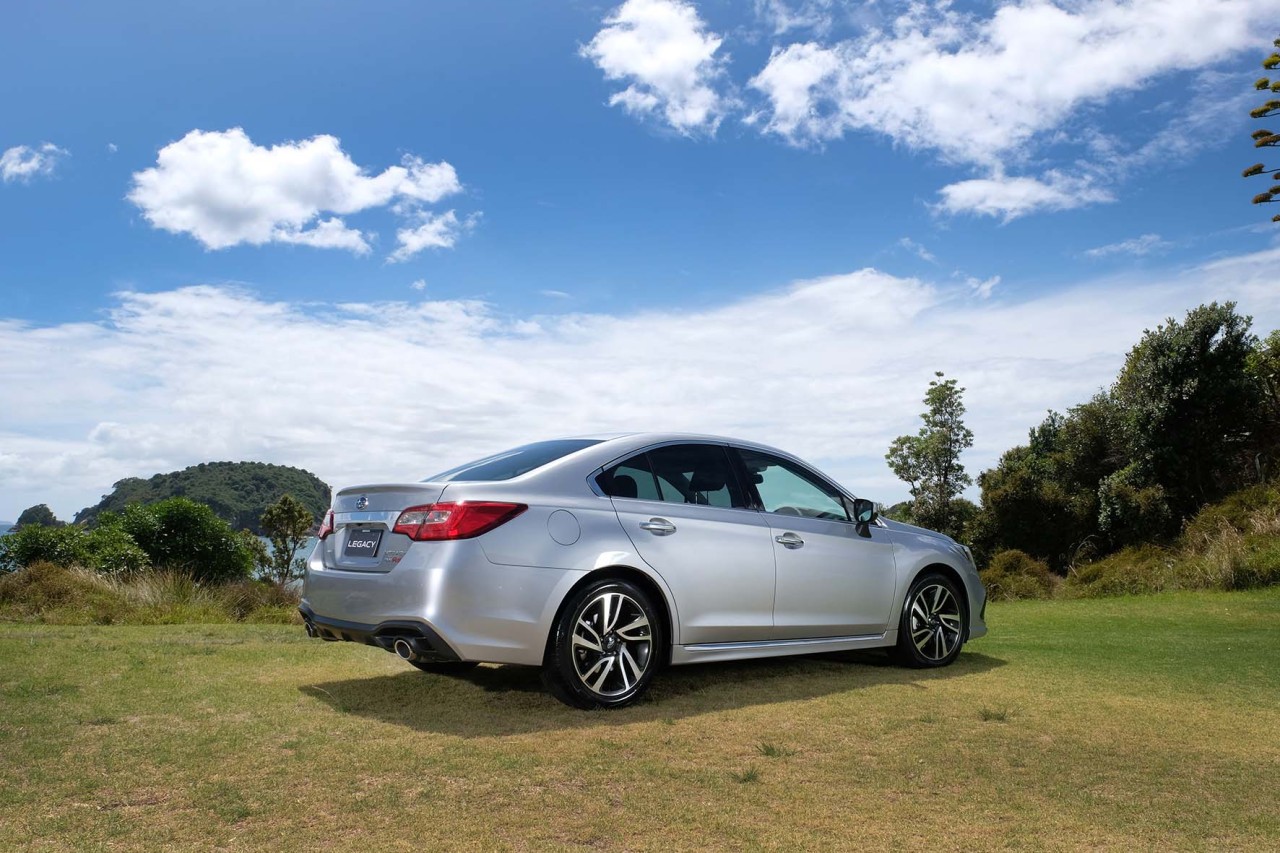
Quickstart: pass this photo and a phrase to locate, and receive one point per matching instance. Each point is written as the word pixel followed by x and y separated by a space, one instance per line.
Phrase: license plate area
pixel 362 543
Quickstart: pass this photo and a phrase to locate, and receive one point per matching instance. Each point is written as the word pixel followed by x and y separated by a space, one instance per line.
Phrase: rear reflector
pixel 327 527
pixel 462 520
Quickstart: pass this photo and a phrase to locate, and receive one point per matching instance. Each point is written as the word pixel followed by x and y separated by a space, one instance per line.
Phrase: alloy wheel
pixel 935 622
pixel 612 644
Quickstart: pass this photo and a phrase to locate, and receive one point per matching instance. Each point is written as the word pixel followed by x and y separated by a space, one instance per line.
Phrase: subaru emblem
pixel 362 502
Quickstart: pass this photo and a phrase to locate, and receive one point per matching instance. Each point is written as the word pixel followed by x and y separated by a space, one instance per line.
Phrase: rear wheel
pixel 933 624
pixel 604 650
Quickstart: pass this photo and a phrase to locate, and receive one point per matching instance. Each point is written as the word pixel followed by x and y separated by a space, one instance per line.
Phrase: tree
pixel 1265 138
pixel 288 524
pixel 929 461
pixel 40 514
pixel 1189 408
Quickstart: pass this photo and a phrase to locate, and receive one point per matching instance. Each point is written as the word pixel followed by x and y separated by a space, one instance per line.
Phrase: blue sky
pixel 373 240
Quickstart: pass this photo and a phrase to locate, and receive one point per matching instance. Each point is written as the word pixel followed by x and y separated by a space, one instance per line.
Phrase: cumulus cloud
pixel 1012 197
pixel 174 378
pixel 224 190
pixel 664 53
pixel 974 88
pixel 22 162
pixel 1137 246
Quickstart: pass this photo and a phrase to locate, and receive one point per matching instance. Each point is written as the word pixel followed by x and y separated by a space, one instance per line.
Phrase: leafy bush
pixel 1132 511
pixel 62 546
pixel 180 534
pixel 1014 574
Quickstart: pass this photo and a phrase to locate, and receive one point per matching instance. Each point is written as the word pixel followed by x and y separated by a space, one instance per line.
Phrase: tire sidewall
pixel 571 689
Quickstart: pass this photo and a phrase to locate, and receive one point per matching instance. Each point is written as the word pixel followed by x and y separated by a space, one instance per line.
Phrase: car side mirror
pixel 864 511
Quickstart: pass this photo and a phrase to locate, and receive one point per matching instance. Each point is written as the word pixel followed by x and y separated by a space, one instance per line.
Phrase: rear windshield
pixel 513 463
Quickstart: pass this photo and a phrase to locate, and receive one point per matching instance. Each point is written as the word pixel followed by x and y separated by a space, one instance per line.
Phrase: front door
pixel 835 578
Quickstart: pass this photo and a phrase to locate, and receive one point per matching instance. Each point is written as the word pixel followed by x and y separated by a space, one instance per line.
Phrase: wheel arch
pixel 626 573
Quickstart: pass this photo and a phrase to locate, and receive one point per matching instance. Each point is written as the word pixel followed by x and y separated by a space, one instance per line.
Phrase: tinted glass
pixel 513 463
pixel 630 479
pixel 788 489
pixel 696 474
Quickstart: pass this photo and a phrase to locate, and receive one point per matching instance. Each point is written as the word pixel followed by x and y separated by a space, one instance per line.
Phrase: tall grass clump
pixel 1014 574
pixel 46 592
pixel 1233 544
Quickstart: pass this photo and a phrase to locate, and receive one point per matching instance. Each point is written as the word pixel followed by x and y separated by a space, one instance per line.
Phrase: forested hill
pixel 237 491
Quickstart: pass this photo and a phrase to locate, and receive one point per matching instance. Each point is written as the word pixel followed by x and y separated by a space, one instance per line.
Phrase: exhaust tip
pixel 311 631
pixel 403 649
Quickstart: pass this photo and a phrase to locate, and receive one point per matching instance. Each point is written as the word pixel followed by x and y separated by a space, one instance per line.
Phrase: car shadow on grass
pixel 505 700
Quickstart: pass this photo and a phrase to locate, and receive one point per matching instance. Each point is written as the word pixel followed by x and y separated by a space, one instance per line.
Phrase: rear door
pixel 835 578
pixel 686 514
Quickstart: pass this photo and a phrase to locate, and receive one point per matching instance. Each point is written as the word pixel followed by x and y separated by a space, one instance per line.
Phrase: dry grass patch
pixel 1139 722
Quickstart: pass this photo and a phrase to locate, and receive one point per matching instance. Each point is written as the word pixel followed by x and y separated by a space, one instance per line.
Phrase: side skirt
pixel 705 652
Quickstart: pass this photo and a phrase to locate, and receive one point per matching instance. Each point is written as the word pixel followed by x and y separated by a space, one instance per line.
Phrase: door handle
pixel 658 526
pixel 789 540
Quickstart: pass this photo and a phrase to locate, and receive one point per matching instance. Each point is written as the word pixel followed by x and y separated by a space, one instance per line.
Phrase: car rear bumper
pixel 426 642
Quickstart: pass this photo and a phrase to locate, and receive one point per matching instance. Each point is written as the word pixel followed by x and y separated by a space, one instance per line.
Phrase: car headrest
pixel 624 486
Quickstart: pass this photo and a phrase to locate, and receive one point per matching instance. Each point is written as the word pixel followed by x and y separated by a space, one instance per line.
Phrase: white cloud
pixel 175 378
pixel 1139 246
pixel 982 288
pixel 917 249
pixel 22 162
pixel 782 16
pixel 112 148
pixel 554 294
pixel 224 190
pixel 664 53
pixel 1010 198
pixel 419 285
pixel 439 231
pixel 975 88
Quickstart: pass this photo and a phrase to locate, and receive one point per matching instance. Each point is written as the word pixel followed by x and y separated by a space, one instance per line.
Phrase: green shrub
pixel 1014 574
pixel 62 546
pixel 110 551
pixel 180 534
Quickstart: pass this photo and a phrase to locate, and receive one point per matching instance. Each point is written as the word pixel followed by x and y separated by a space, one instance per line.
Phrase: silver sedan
pixel 603 559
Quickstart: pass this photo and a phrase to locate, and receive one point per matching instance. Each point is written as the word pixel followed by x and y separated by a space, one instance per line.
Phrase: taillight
pixel 462 520
pixel 326 527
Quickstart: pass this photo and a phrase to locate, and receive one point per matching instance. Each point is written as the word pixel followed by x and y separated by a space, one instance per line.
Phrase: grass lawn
pixel 1147 722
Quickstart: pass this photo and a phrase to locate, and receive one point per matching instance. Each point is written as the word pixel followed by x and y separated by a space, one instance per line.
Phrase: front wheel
pixel 933 624
pixel 605 646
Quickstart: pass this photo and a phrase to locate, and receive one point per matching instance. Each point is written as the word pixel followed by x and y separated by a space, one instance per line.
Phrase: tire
pixel 933 624
pixel 605 646
pixel 452 667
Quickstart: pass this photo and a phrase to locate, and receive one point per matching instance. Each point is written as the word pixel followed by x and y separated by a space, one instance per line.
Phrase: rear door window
pixel 696 474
